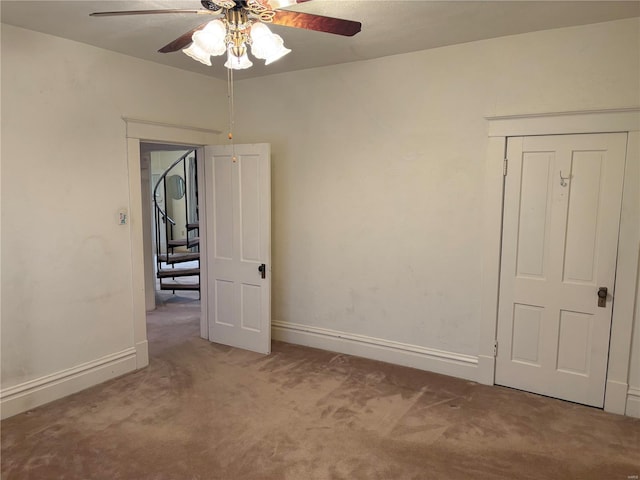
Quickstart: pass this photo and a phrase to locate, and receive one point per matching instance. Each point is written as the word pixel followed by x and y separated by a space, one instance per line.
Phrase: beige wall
pixel 66 263
pixel 378 173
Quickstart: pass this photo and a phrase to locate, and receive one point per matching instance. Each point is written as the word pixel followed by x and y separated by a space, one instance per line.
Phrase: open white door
pixel 561 219
pixel 238 236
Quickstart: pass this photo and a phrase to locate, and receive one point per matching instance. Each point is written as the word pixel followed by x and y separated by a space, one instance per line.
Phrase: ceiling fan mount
pixel 217 5
pixel 209 5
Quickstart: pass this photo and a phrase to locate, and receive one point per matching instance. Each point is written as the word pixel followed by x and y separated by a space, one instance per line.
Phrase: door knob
pixel 263 270
pixel 602 296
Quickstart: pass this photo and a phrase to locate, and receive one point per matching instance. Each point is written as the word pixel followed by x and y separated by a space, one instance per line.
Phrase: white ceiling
pixel 388 27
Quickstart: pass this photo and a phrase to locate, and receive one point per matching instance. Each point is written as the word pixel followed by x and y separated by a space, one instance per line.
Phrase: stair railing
pixel 162 178
pixel 191 210
pixel 161 215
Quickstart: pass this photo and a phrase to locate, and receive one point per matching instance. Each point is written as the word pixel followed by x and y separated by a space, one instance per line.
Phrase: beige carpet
pixel 205 411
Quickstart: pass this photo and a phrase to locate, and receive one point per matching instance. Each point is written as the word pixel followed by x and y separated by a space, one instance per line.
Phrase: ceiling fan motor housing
pixel 209 5
pixel 216 5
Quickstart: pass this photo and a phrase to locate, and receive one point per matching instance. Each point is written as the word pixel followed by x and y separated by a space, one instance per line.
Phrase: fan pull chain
pixel 230 97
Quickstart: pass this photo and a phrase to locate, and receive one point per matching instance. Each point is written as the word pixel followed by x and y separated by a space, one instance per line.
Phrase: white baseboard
pixel 438 361
pixel 486 369
pixel 31 394
pixel 633 402
pixel 142 354
pixel 615 397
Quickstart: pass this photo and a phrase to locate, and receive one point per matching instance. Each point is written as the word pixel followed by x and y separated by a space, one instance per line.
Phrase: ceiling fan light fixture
pixel 240 25
pixel 238 63
pixel 211 38
pixel 197 53
pixel 266 45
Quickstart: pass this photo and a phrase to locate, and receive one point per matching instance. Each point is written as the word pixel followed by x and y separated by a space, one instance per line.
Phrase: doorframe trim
pixel 565 123
pixel 500 128
pixel 153 132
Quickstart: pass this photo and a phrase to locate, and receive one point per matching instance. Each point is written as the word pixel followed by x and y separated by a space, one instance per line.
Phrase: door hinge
pixel 495 348
pixel 505 167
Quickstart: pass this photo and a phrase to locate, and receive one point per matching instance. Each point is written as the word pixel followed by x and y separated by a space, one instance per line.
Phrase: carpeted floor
pixel 205 411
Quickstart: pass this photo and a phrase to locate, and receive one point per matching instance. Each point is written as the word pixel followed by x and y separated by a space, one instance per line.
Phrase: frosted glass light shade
pixel 197 53
pixel 259 31
pixel 238 63
pixel 216 39
pixel 278 51
pixel 211 38
pixel 266 44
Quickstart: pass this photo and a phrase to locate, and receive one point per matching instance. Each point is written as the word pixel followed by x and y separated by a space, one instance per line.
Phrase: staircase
pixel 175 199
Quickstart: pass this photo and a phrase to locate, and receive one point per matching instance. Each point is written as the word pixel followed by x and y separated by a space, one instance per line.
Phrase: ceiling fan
pixel 239 24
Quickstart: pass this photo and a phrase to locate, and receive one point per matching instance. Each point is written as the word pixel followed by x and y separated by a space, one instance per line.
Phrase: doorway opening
pixel 170 213
pixel 171 224
pixel 617 398
pixel 251 314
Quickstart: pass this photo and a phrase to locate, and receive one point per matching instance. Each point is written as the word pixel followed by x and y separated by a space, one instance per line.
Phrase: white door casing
pixel 238 237
pixel 561 221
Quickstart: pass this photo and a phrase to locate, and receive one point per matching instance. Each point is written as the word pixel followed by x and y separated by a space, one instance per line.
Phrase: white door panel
pixel 239 239
pixel 561 219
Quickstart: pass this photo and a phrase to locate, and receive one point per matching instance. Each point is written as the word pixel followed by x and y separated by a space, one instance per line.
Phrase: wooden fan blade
pixel 147 12
pixel 181 42
pixel 348 28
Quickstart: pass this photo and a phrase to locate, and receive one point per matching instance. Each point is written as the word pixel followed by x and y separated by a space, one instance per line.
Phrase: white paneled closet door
pixel 561 220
